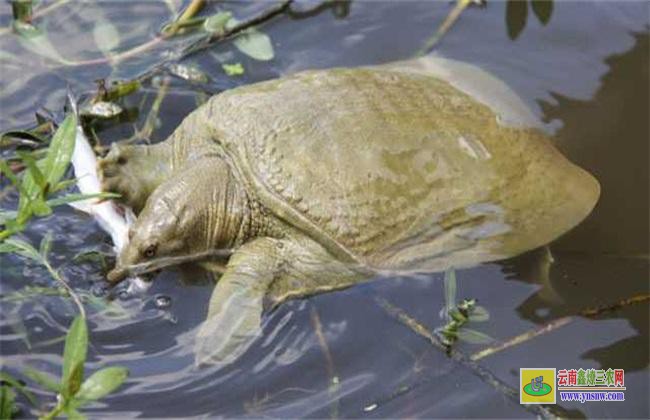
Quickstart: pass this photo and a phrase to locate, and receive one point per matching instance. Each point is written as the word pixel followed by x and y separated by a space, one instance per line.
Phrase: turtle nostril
pixel 116 275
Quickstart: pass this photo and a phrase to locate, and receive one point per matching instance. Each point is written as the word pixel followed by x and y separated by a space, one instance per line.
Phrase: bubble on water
pixel 163 301
pixel 99 290
pixel 123 294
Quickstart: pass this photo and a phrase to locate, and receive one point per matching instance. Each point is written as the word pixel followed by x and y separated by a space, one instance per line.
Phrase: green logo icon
pixel 537 387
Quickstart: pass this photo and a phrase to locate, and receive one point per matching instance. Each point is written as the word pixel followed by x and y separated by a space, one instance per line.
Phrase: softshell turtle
pixel 319 180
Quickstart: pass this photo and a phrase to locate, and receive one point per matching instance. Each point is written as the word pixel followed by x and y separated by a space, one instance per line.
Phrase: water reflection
pixel 609 136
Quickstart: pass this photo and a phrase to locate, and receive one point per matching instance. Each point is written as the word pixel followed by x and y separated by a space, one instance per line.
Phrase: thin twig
pixel 484 374
pixel 175 27
pixel 194 46
pixel 318 329
pixel 449 21
pixel 557 323
pixel 148 126
pixel 331 372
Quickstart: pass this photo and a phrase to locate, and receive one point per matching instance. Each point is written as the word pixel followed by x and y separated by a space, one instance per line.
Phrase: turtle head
pixel 154 239
pixel 196 214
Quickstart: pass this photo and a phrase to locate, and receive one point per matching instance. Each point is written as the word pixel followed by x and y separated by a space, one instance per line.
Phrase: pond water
pixel 585 73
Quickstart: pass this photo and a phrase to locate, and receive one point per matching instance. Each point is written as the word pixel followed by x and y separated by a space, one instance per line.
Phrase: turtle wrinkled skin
pixel 319 180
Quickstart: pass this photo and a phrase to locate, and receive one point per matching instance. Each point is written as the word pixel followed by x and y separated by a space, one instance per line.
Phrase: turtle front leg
pixel 135 171
pixel 262 274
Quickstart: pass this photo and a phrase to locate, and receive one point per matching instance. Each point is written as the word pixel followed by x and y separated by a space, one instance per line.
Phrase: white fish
pixel 113 218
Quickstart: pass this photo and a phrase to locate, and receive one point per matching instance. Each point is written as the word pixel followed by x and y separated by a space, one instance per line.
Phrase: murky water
pixel 585 73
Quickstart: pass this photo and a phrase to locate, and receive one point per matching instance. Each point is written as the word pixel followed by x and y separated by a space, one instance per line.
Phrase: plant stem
pixel 54 413
pixel 453 16
pixel 37 13
pixel 66 286
pixel 557 323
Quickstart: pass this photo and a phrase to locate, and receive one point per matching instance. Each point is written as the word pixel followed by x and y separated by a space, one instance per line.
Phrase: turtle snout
pixel 117 274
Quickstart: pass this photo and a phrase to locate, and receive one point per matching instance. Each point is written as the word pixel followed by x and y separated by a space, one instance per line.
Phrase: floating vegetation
pixel 236 69
pixel 188 72
pixel 101 109
pixel 216 24
pixel 252 42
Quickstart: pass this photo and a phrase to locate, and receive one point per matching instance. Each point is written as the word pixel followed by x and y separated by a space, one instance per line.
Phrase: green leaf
pixel 46 245
pixel 233 69
pixel 217 23
pixel 60 150
pixel 473 337
pixel 74 356
pixel 120 89
pixel 15 384
pixel 253 43
pixel 70 198
pixel 34 171
pixel 543 9
pixel 107 38
pixel 39 207
pixel 450 290
pixel 37 42
pixel 7 215
pixel 63 185
pixel 516 16
pixel 7 402
pixel 479 314
pixel 45 380
pixel 53 167
pixel 30 135
pixel 6 170
pixel 72 386
pixel 20 247
pixel 102 383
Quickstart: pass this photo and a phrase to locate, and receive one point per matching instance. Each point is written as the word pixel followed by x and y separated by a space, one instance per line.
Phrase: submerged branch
pixel 557 323
pixel 459 357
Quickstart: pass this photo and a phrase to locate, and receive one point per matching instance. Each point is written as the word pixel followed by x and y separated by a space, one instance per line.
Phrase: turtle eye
pixel 150 251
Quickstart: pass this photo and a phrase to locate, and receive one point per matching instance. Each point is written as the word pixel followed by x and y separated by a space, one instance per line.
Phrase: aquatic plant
pixel 72 391
pixel 458 314
pixel 41 180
